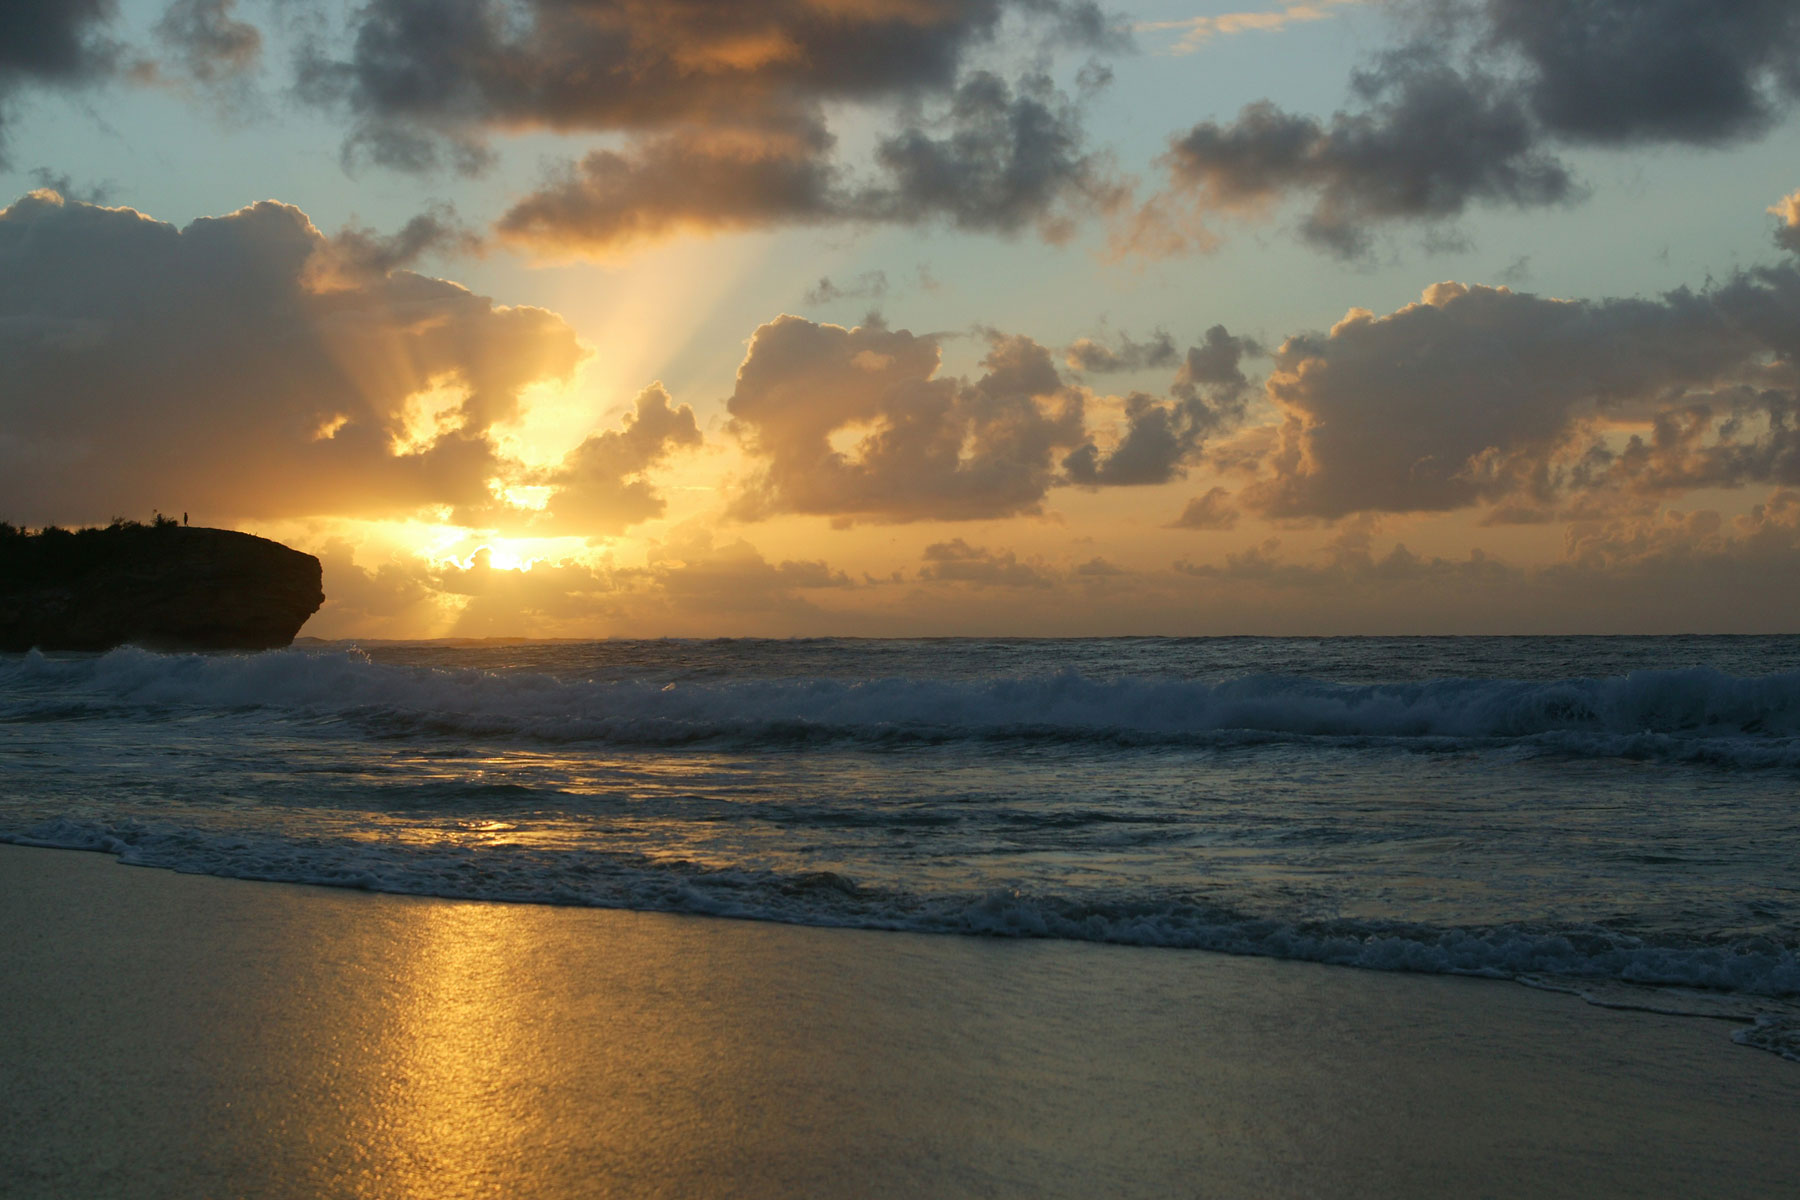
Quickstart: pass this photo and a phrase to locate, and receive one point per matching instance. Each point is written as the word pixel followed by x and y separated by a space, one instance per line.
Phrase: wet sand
pixel 182 1036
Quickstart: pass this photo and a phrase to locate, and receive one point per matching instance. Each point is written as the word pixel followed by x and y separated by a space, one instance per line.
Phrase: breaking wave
pixel 1698 714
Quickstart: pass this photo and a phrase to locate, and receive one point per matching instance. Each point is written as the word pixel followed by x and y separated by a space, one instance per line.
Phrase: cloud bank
pixel 1480 394
pixel 250 366
pixel 858 424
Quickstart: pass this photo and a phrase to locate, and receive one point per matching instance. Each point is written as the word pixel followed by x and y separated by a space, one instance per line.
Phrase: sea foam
pixel 1530 952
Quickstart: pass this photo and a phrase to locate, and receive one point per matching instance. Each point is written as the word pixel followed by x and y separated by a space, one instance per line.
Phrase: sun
pixel 505 554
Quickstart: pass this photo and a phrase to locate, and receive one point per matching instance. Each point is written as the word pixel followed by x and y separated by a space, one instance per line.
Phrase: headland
pixel 165 586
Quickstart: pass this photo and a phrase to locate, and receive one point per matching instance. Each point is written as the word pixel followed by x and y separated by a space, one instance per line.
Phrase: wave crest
pixel 1696 713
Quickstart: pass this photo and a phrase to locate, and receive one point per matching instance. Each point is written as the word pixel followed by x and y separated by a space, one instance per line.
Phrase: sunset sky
pixel 895 317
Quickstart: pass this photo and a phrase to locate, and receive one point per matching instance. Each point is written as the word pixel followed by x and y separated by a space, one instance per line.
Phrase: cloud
pixel 1214 510
pixel 718 180
pixel 870 285
pixel 1472 108
pixel 1787 235
pixel 723 108
pixel 955 561
pixel 54 39
pixel 1694 446
pixel 366 251
pixel 1424 143
pixel 242 367
pixel 54 43
pixel 857 424
pixel 1667 540
pixel 1197 32
pixel 688 584
pixel 65 186
pixel 1662 570
pixel 1624 72
pixel 210 44
pixel 721 105
pixel 693 575
pixel 1095 357
pixel 1483 394
pixel 1209 395
pixel 635 65
pixel 1000 159
pixel 600 487
pixel 997 159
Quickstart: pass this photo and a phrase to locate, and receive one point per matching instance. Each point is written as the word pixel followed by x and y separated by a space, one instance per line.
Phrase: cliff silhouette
pixel 164 586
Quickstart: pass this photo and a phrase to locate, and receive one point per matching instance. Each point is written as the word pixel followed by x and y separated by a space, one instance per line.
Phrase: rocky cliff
pixel 163 586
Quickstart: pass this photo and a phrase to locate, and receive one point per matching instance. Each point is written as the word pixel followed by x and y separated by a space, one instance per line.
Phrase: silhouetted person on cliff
pixel 184 518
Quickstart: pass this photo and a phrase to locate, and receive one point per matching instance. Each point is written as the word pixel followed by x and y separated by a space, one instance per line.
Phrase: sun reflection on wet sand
pixel 164 1035
pixel 449 1119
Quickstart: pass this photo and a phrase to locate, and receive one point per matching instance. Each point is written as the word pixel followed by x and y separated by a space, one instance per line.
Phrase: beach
pixel 174 1035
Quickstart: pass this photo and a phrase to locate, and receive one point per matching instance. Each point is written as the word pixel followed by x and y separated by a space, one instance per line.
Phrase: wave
pixel 1696 713
pixel 1567 957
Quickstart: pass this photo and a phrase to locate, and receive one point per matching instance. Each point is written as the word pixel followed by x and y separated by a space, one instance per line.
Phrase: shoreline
pixel 169 1034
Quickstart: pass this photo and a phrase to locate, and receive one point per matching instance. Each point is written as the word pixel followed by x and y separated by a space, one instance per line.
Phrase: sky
pixel 578 318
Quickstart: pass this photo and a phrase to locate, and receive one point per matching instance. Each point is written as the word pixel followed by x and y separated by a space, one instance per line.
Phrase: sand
pixel 182 1036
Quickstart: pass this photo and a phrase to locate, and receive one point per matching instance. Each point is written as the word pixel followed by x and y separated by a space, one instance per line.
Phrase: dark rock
pixel 163 586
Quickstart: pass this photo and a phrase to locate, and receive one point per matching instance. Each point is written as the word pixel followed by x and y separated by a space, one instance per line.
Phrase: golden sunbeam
pixel 639 324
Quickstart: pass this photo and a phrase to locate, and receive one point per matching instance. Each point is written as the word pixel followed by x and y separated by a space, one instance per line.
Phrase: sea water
pixel 1619 817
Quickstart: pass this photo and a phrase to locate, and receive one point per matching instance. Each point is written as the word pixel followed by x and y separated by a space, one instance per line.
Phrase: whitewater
pixel 1610 816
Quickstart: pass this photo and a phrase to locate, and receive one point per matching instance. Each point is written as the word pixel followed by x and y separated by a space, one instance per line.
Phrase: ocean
pixel 1617 817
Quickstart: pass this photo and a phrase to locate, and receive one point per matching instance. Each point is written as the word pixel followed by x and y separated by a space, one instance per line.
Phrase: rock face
pixel 166 587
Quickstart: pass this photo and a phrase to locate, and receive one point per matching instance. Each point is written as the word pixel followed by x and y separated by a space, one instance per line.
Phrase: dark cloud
pixel 1621 72
pixel 724 107
pixel 857 424
pixel 239 368
pixel 717 180
pixel 366 251
pixel 51 42
pixel 1425 142
pixel 955 561
pixel 65 186
pixel 1483 394
pixel 870 285
pixel 210 45
pixel 1472 109
pixel 1098 358
pixel 996 160
pixel 420 69
pixel 54 40
pixel 1209 395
